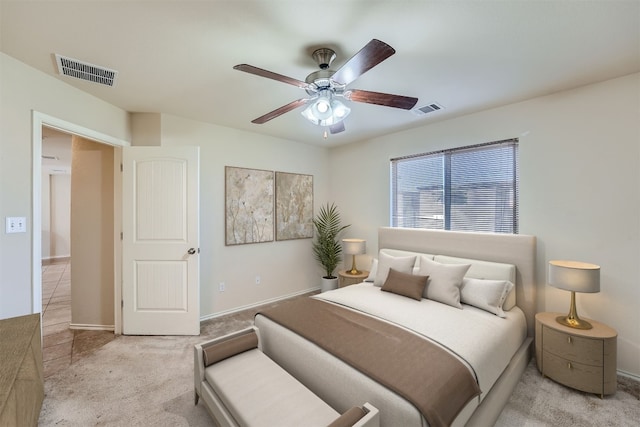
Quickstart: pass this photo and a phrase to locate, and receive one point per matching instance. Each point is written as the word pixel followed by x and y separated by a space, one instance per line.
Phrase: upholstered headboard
pixel 516 249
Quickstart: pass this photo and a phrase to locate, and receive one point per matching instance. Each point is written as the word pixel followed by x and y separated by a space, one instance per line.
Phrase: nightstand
pixel 584 359
pixel 345 279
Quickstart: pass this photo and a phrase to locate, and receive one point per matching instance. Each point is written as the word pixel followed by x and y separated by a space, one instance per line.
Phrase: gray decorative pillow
pixel 405 284
pixel 444 281
pixel 385 262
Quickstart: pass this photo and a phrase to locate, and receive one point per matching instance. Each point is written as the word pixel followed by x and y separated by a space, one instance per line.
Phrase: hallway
pixel 63 346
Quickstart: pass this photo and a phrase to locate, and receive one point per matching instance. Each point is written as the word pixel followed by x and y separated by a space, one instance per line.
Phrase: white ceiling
pixel 176 57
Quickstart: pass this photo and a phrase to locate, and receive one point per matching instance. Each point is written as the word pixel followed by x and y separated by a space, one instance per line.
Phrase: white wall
pixel 579 189
pixel 23 90
pixel 45 185
pixel 285 267
pixel 60 216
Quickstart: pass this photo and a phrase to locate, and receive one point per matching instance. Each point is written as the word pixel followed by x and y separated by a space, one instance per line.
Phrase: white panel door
pixel 160 282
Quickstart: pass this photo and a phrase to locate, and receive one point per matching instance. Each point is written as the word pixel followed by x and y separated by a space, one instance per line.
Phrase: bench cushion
pixel 258 392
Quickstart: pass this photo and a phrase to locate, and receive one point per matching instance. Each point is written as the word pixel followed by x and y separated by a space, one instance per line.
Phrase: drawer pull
pixel 569 339
pixel 569 365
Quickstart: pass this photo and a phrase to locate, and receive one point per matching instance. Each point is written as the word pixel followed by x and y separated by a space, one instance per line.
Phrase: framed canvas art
pixel 294 206
pixel 249 205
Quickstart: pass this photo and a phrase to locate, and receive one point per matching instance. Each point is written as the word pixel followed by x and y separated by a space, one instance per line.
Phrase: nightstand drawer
pixel 572 348
pixel 577 375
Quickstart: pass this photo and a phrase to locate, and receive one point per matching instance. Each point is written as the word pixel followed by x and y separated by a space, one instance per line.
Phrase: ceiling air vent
pixel 85 71
pixel 425 109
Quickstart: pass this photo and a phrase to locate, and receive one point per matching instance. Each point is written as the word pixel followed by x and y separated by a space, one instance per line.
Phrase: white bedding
pixel 486 341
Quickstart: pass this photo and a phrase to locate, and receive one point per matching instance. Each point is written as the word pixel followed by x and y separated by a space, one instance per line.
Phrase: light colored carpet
pixel 142 381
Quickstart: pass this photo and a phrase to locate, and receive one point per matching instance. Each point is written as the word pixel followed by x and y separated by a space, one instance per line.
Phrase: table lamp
pixel 354 247
pixel 574 276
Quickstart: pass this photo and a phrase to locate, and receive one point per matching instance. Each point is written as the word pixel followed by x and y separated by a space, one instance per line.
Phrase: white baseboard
pixel 84 327
pixel 53 259
pixel 257 304
pixel 628 375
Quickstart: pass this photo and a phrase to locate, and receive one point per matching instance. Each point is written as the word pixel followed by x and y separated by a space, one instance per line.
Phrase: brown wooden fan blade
pixel 368 57
pixel 337 128
pixel 386 99
pixel 280 111
pixel 270 75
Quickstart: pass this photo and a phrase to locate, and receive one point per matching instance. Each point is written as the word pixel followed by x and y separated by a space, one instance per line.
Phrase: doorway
pixel 40 120
pixel 76 319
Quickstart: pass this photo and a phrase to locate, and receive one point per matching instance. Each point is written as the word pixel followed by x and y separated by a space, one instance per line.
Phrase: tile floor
pixel 61 345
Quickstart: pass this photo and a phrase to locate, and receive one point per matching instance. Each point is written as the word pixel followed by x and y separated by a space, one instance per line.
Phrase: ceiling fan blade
pixel 368 57
pixel 386 99
pixel 337 128
pixel 271 75
pixel 280 111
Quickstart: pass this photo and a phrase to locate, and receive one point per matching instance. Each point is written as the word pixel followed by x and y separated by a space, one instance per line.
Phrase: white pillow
pixel 385 262
pixel 372 271
pixel 488 295
pixel 444 281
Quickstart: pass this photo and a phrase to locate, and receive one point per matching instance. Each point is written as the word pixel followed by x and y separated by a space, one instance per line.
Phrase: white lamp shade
pixel 354 246
pixel 574 276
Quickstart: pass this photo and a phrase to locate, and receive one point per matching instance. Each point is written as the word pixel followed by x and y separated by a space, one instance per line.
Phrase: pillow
pixel 487 270
pixel 405 284
pixel 230 347
pixel 488 295
pixel 349 418
pixel 385 262
pixel 510 300
pixel 444 281
pixel 372 271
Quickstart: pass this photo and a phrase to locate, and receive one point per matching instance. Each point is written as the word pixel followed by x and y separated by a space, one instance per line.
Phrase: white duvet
pixel 485 341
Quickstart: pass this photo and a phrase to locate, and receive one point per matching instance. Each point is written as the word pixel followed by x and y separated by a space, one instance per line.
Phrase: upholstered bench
pixel 241 386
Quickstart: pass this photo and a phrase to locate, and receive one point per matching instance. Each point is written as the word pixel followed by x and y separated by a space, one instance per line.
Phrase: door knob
pixel 191 251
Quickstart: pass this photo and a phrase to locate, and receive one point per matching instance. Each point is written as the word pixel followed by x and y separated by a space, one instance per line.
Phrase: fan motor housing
pixel 323 57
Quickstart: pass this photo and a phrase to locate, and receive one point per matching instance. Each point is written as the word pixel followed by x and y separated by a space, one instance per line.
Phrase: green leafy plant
pixel 326 247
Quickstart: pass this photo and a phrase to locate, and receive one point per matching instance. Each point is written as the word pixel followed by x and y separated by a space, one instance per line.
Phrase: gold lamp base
pixel 353 270
pixel 572 320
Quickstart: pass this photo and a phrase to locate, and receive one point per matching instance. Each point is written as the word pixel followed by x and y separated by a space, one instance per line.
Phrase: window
pixel 465 189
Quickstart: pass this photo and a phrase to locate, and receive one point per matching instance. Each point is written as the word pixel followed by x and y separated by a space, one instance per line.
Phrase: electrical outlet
pixel 16 224
pixel 221 287
pixel 258 280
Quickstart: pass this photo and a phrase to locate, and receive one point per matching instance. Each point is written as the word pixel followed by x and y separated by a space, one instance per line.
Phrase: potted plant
pixel 326 247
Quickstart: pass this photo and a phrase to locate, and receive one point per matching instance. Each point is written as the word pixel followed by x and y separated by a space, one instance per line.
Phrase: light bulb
pixel 322 106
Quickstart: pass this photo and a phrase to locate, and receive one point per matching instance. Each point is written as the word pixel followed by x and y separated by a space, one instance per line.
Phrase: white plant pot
pixel 328 284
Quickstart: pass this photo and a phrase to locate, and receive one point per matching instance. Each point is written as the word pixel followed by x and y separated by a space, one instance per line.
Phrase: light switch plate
pixel 16 224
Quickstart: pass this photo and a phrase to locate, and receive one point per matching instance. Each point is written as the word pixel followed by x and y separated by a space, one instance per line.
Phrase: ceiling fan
pixel 326 86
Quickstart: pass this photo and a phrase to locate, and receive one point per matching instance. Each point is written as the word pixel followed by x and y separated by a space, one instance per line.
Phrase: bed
pixel 492 340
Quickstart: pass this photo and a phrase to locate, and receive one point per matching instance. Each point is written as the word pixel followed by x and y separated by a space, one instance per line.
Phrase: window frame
pixel 447 154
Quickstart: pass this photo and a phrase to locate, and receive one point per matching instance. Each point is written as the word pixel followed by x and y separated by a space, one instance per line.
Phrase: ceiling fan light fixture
pixel 340 111
pixel 326 111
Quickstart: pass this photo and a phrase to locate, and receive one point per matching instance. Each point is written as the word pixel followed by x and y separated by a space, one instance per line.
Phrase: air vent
pixel 85 71
pixel 429 108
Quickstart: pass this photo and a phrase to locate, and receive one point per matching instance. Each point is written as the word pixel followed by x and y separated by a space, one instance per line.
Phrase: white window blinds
pixel 466 189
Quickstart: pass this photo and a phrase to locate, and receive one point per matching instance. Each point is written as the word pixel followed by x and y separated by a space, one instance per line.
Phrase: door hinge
pixel 121 235
pixel 121 167
pixel 121 303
